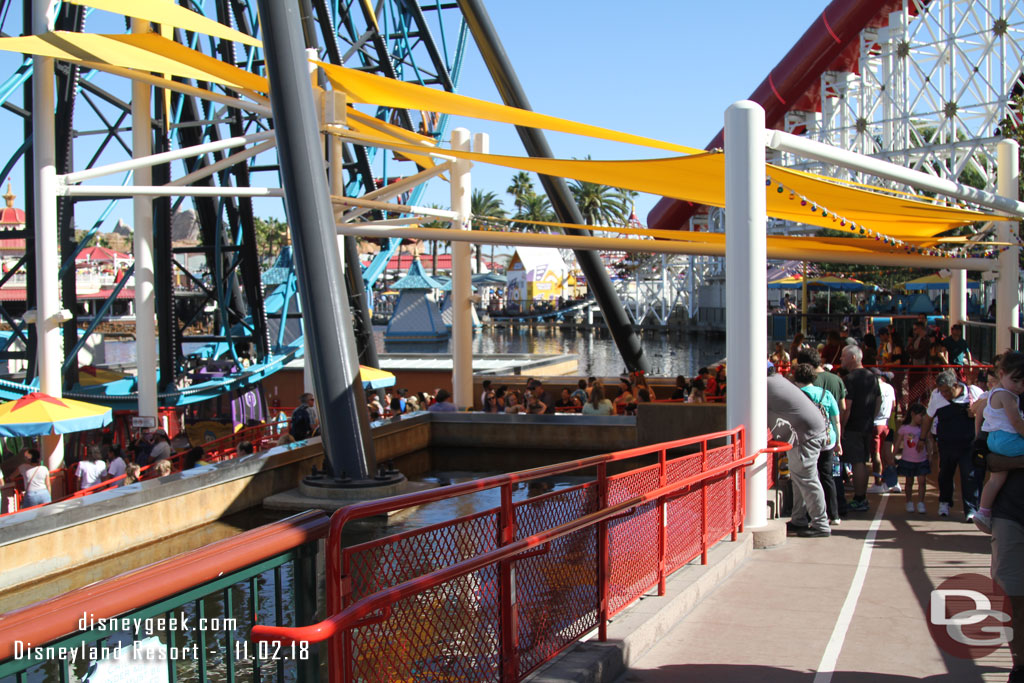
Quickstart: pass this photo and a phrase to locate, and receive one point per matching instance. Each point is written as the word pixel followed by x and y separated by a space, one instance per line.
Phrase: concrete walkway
pixel 776 618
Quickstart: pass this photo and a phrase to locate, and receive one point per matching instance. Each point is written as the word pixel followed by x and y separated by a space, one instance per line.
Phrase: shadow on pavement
pixel 739 673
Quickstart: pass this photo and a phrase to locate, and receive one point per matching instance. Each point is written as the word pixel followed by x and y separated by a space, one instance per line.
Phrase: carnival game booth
pixel 536 275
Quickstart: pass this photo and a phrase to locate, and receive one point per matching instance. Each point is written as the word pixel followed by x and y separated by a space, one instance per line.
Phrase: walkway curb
pixel 632 632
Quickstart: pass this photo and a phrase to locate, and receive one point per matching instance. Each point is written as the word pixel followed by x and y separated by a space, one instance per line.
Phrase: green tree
pixel 484 205
pixel 271 235
pixel 520 189
pixel 536 207
pixel 602 204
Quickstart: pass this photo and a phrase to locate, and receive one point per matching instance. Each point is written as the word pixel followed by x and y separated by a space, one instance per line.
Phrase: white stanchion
pixel 49 353
pixel 746 291
pixel 1008 285
pixel 145 289
pixel 462 320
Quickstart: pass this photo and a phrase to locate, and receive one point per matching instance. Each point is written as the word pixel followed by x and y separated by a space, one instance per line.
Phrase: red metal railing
pixel 494 594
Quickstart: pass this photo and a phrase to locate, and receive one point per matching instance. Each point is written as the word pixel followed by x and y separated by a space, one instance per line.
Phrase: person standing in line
pixel 886 480
pixel 1004 424
pixel 913 463
pixel 484 393
pixel 36 478
pixel 949 430
pixel 793 418
pixel 302 421
pixel 117 464
pixel 803 377
pixel 91 470
pixel 443 402
pixel 863 399
pixel 956 346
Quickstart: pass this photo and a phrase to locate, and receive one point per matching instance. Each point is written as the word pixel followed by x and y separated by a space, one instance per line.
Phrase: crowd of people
pixel 852 433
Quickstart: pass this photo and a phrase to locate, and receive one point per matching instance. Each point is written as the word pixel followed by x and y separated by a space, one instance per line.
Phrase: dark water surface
pixel 669 355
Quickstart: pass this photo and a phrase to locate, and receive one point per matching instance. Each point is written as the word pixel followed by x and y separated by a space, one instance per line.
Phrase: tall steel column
pixel 562 202
pixel 326 315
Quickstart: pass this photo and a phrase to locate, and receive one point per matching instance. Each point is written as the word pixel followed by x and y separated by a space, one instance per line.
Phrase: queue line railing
pixel 492 595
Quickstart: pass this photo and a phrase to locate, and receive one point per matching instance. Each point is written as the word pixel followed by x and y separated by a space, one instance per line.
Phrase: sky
pixel 659 68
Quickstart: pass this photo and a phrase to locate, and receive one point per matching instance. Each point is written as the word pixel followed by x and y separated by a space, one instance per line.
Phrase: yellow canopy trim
pixel 167 13
pixel 365 88
pixel 126 52
pixel 700 178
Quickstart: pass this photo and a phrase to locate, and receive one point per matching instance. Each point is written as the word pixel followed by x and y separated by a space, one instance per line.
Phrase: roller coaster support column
pixel 462 318
pixel 562 202
pixel 327 318
pixel 50 357
pixel 746 329
pixel 145 283
pixel 1008 285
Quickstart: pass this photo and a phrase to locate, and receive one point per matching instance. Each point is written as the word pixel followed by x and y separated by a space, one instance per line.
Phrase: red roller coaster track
pixel 793 83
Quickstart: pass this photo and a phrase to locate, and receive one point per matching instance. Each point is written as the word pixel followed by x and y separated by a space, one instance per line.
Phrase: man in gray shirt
pixel 793 417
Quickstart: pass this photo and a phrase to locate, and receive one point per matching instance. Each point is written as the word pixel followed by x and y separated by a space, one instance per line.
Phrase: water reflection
pixel 668 355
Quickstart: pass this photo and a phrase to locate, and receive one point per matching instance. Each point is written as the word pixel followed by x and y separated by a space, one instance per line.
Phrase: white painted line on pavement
pixel 835 644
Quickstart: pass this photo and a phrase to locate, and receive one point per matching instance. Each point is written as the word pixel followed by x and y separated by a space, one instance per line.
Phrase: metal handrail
pixel 350 617
pixel 47 621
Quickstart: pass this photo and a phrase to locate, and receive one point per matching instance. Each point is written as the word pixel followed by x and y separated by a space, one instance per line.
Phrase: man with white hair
pixel 949 429
pixel 863 399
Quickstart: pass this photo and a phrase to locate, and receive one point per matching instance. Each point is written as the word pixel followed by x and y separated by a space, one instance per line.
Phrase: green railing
pixel 189 615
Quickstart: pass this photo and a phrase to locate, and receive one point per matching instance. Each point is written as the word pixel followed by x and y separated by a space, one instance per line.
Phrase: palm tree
pixel 521 188
pixel 602 204
pixel 483 205
pixel 434 223
pixel 536 207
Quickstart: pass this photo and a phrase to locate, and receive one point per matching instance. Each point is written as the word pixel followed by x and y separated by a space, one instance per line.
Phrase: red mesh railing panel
pixel 393 559
pixel 721 496
pixel 633 540
pixel 683 537
pixel 448 633
pixel 556 592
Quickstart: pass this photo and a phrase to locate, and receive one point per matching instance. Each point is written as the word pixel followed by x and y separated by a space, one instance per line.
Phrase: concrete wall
pixel 660 422
pixel 50 540
pixel 36 543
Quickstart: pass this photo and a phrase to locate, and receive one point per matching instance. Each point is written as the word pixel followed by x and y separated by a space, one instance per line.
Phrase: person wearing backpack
pixel 828 463
pixel 303 418
pixel 949 428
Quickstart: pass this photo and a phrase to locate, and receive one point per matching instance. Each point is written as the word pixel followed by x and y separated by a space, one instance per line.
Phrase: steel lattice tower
pixel 420 41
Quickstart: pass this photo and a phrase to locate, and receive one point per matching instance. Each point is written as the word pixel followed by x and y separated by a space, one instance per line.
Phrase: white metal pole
pixel 812 149
pixel 145 292
pixel 957 297
pixel 1007 304
pixel 462 320
pixel 49 354
pixel 746 291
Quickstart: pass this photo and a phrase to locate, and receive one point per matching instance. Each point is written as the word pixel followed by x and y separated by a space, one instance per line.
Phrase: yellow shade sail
pixel 143 52
pixel 167 13
pixel 700 178
pixel 365 88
